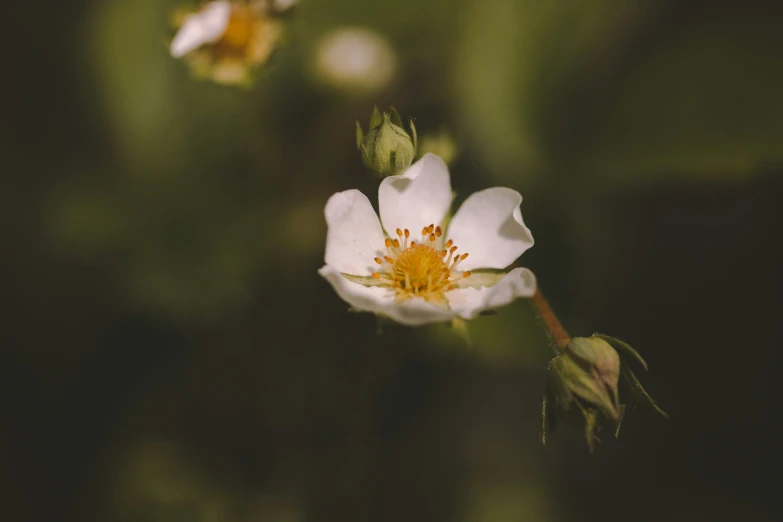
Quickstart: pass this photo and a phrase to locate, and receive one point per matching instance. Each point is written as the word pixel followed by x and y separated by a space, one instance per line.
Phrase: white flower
pixel 416 272
pixel 226 41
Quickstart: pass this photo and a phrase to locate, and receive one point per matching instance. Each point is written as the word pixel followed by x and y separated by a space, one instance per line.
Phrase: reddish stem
pixel 556 330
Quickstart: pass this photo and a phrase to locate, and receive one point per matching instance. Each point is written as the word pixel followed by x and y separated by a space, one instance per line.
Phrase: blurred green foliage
pixel 177 357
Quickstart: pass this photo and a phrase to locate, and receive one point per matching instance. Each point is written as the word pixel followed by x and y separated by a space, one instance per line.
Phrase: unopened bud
pixel 587 375
pixel 590 369
pixel 386 149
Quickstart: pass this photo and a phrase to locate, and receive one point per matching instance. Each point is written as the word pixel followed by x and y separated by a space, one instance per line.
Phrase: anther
pixel 449 243
pixel 432 237
pixel 407 233
pixel 399 232
pixel 396 243
pixel 389 260
pixel 466 273
pixel 424 231
pixel 388 243
pixel 453 249
pixel 379 260
pixel 376 275
pixel 438 231
pixel 430 229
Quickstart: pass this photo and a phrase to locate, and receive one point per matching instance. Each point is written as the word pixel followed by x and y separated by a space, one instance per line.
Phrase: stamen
pixel 419 268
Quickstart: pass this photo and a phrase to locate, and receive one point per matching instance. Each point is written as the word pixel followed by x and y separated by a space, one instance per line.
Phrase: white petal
pixel 416 198
pixel 206 26
pixel 489 227
pixel 469 302
pixel 354 236
pixel 412 312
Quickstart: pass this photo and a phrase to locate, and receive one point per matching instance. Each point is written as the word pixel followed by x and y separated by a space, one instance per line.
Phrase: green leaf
pixel 359 135
pixel 591 426
pixel 619 421
pixel 623 347
pixel 639 391
pixel 376 118
pixel 395 117
pixel 583 383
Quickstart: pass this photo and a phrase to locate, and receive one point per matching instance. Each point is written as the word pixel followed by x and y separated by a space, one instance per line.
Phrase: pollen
pixel 425 268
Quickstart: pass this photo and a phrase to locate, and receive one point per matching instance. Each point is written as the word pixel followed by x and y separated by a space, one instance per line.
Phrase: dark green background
pixel 168 352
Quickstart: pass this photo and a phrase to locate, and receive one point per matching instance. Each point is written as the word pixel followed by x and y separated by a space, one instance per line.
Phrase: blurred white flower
pixel 355 58
pixel 225 41
pixel 414 272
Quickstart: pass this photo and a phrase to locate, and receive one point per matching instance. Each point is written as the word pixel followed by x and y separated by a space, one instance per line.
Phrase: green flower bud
pixel 590 369
pixel 587 375
pixel 386 149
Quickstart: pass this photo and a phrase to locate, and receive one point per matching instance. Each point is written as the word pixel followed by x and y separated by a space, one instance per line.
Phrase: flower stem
pixel 555 330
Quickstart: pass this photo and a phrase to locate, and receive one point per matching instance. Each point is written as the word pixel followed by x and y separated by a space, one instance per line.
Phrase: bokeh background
pixel 168 352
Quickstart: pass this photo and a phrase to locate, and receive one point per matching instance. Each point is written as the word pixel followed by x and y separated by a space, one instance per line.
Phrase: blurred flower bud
pixel 386 149
pixel 442 144
pixel 587 375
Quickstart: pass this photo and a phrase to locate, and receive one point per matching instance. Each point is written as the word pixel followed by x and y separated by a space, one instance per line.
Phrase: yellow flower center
pixel 421 268
pixel 250 36
pixel 240 28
